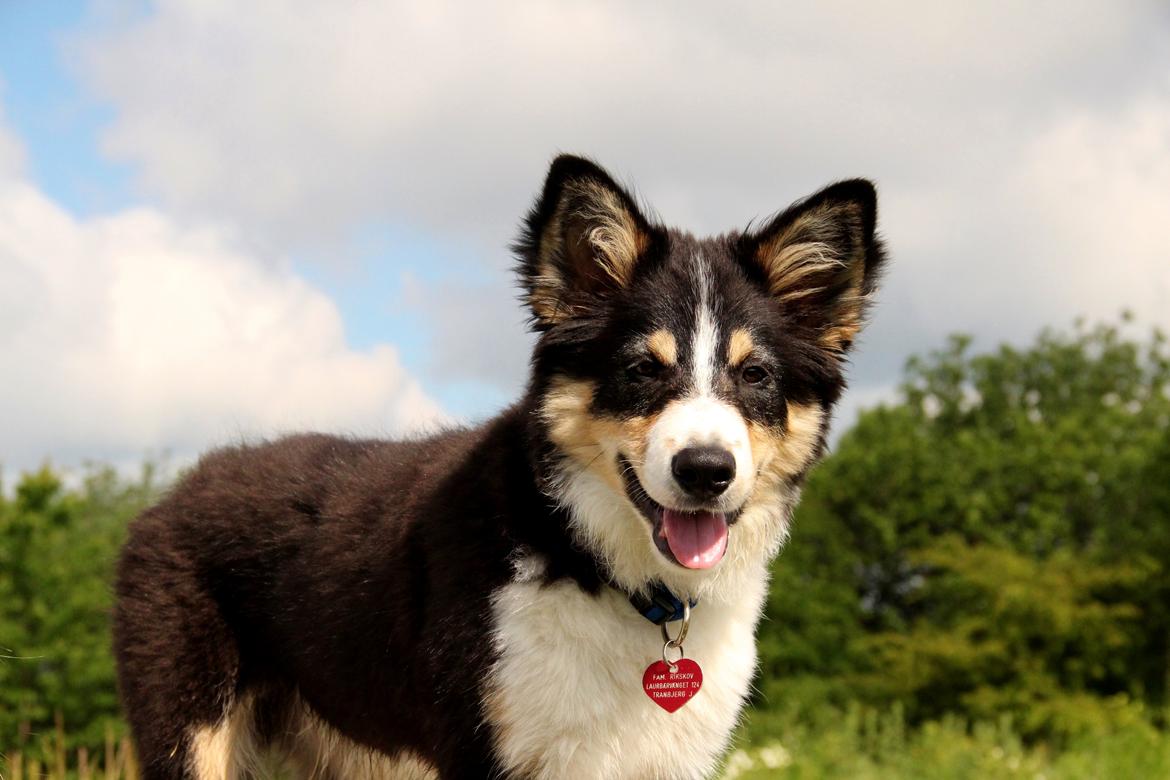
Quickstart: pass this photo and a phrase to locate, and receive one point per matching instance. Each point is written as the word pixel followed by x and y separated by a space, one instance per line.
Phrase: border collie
pixel 485 602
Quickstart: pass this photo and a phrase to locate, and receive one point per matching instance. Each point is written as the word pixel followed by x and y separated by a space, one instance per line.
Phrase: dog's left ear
pixel 580 241
pixel 821 260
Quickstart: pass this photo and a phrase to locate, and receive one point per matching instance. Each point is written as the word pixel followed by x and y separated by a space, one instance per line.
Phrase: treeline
pixel 994 547
pixel 57 550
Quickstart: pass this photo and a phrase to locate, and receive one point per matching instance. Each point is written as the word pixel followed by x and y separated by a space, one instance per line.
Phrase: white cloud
pixel 132 333
pixel 1000 135
pixel 1098 190
pixel 444 113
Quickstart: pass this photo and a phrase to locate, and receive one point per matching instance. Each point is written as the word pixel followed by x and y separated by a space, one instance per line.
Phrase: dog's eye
pixel 754 375
pixel 646 368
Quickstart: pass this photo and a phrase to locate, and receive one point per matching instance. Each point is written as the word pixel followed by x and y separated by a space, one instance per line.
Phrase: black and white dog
pixel 482 603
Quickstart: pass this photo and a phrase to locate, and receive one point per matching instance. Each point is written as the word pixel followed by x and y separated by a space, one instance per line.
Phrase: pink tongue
pixel 697 539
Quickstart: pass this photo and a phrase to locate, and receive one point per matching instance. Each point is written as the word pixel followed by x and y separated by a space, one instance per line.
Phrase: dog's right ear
pixel 580 241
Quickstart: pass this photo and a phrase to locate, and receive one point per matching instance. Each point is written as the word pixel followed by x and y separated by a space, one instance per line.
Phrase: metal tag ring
pixel 668 645
pixel 682 632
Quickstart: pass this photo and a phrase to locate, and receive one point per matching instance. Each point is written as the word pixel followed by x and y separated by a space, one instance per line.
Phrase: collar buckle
pixel 661 606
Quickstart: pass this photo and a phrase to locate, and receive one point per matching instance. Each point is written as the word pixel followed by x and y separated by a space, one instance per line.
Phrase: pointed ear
pixel 821 260
pixel 580 241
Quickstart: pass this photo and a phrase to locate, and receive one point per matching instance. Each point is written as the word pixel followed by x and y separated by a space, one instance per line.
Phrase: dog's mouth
pixel 693 539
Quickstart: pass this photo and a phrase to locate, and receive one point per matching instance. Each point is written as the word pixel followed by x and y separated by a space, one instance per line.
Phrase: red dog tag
pixel 671 690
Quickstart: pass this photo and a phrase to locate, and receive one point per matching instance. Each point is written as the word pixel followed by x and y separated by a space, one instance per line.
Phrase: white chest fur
pixel 566 697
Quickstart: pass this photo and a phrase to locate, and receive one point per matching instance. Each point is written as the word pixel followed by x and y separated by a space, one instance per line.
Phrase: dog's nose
pixel 703 472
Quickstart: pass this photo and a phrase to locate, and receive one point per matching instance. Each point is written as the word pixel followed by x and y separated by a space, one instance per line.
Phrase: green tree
pixel 57 548
pixel 996 542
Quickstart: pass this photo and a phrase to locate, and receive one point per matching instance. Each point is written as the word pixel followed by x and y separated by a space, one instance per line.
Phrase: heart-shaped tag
pixel 671 690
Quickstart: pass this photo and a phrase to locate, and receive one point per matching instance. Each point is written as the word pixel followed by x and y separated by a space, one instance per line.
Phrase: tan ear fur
pixel 819 259
pixel 591 242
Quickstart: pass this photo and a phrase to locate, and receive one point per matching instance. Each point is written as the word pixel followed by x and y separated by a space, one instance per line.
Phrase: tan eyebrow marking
pixel 665 348
pixel 739 346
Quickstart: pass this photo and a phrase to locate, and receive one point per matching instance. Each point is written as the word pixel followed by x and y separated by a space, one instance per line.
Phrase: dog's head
pixel 683 385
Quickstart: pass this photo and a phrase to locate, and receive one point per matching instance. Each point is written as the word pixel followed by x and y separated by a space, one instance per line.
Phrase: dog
pixel 510 600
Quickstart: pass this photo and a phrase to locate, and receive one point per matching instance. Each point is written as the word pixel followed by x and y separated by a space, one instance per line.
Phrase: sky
pixel 224 220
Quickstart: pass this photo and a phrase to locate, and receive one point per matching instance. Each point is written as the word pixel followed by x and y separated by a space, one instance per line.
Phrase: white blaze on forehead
pixel 705 340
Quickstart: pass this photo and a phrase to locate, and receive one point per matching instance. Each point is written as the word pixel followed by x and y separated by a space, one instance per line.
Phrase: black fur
pixel 355 573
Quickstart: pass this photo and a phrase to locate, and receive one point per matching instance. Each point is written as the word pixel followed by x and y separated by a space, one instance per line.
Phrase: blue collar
pixel 660 606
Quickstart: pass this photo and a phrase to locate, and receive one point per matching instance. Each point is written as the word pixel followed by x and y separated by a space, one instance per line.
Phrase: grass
pixel 859 744
pixel 866 744
pixel 49 758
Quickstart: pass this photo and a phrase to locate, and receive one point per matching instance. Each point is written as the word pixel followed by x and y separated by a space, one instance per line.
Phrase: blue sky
pixel 234 220
pixel 60 126
pixel 47 108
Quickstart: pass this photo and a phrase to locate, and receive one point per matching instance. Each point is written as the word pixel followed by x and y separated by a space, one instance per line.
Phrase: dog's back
pixel 311 569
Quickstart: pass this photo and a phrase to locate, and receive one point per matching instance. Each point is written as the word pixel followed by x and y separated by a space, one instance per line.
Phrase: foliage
pixel 997 543
pixel 57 548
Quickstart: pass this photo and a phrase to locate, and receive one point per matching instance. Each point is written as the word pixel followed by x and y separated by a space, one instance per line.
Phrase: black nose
pixel 703 472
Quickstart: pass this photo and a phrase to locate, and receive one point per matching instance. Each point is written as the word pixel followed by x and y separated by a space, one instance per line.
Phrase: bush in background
pixel 996 543
pixel 57 551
